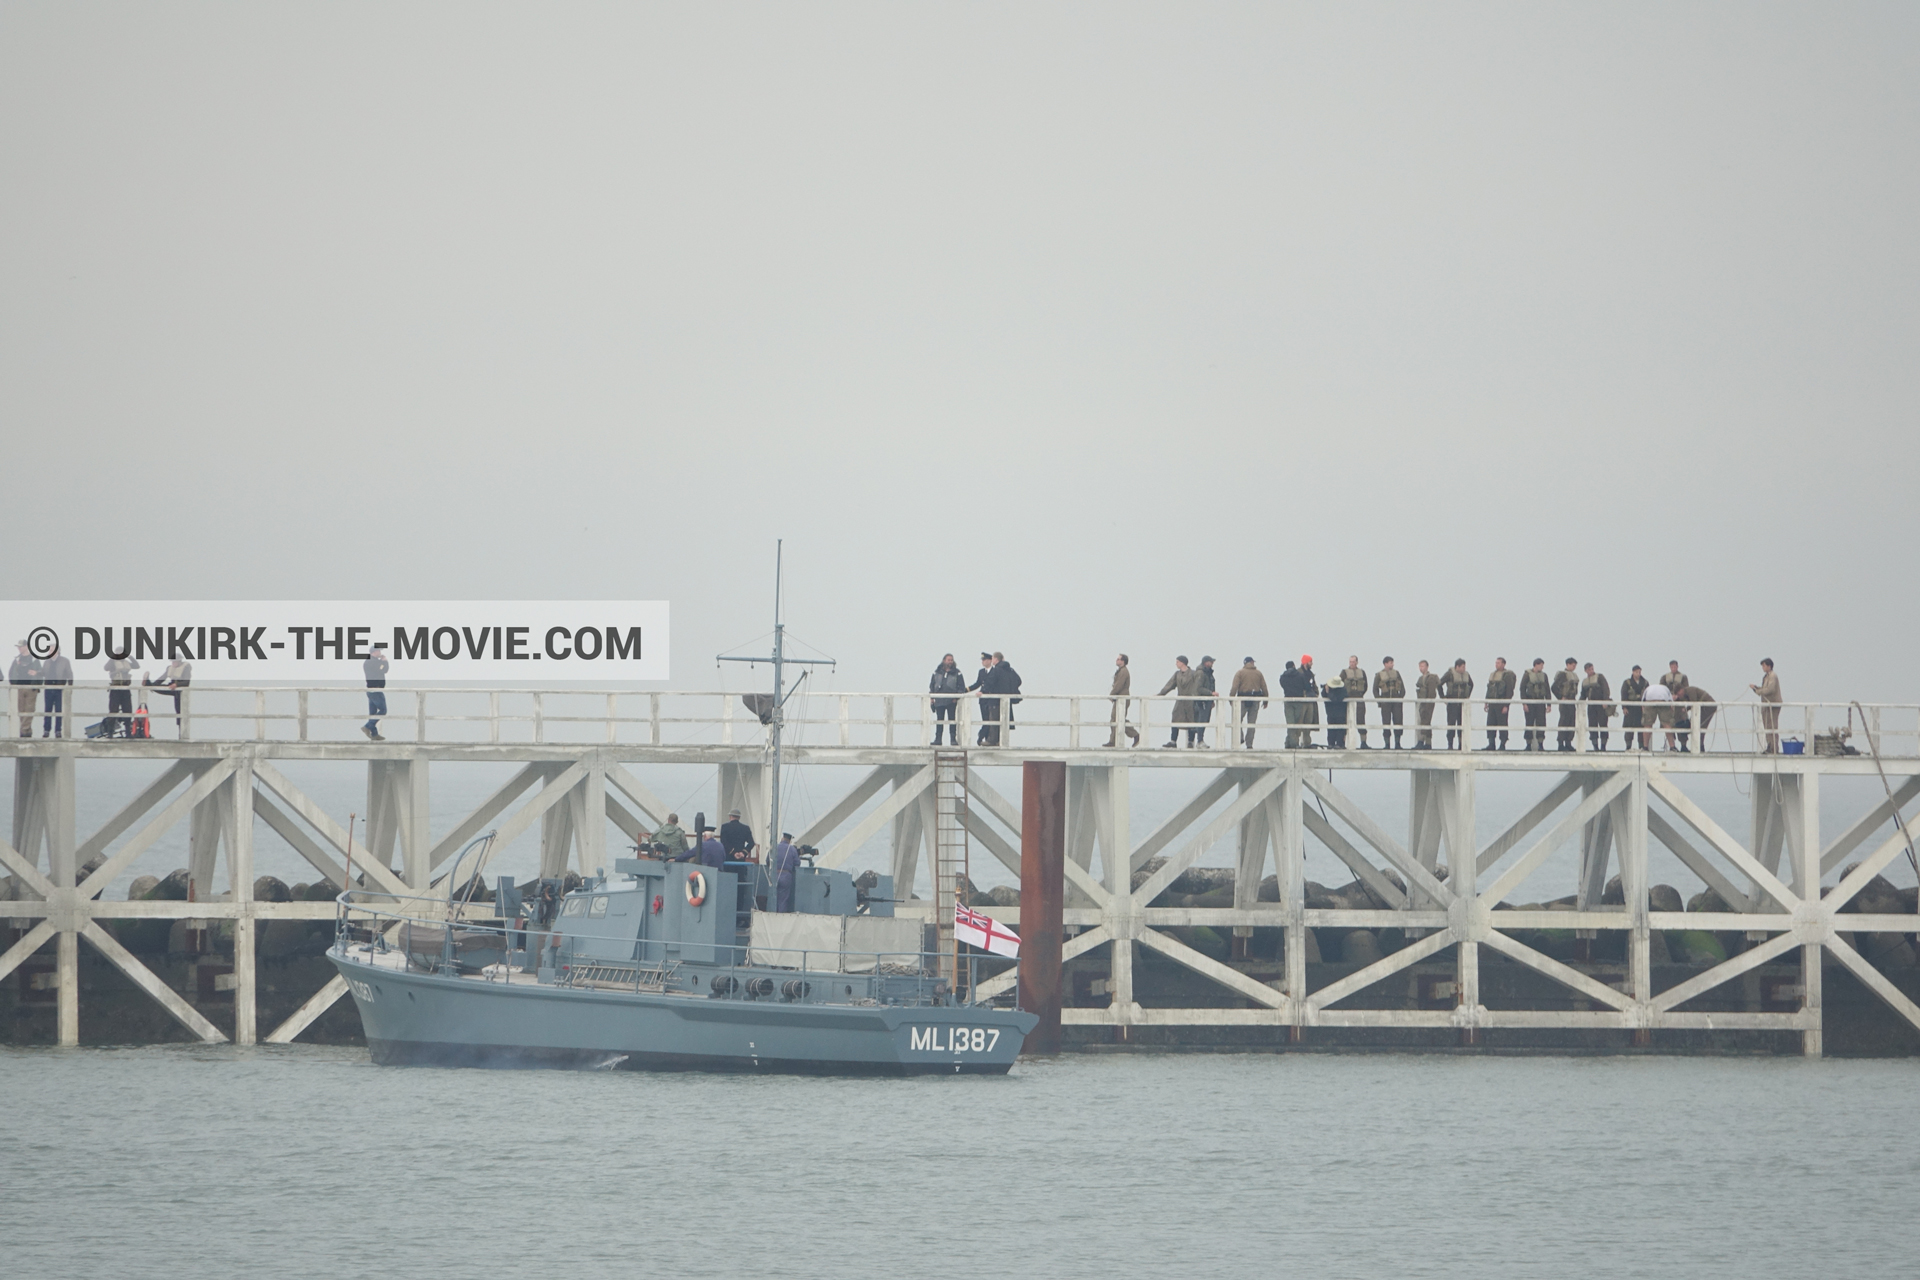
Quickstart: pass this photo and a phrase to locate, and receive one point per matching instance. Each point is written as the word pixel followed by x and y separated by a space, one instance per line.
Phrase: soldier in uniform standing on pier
pixel 1632 689
pixel 1456 688
pixel 1499 694
pixel 1426 687
pixel 1535 689
pixel 1675 680
pixel 1566 687
pixel 1356 682
pixel 1388 690
pixel 1597 694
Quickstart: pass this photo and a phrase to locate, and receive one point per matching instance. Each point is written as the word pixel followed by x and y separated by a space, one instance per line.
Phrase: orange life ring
pixel 696 896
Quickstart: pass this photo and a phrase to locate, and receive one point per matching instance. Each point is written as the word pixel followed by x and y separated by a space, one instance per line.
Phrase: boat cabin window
pixel 599 907
pixel 574 907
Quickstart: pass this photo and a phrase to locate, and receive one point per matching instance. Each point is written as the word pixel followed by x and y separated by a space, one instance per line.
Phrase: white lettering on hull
pixel 952 1039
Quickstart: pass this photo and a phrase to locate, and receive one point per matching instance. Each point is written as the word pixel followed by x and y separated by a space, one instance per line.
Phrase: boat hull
pixel 425 1019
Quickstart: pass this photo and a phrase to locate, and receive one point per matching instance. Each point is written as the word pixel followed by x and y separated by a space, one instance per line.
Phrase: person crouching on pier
pixel 1683 705
pixel 1658 714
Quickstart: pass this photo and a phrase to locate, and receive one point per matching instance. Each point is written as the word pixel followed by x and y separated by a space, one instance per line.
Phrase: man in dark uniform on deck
pixel 786 861
pixel 736 837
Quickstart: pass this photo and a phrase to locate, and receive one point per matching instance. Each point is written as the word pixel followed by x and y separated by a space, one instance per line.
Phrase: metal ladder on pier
pixel 950 869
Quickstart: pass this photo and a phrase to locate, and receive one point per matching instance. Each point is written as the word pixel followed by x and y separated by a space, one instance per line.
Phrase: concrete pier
pixel 1429 916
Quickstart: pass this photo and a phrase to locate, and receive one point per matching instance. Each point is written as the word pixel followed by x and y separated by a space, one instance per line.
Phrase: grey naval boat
pixel 674 965
pixel 671 966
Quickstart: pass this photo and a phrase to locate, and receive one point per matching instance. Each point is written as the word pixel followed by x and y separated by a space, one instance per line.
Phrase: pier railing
pixel 1041 721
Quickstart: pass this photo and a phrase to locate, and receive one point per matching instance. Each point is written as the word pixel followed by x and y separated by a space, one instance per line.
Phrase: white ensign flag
pixel 983 931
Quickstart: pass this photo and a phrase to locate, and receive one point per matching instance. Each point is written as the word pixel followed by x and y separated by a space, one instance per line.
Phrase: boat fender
pixel 658 902
pixel 696 888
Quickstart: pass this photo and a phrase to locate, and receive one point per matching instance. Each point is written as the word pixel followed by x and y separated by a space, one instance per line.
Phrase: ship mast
pixel 779 660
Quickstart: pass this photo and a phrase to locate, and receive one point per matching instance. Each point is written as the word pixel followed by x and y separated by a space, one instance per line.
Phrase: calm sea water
pixel 215 1161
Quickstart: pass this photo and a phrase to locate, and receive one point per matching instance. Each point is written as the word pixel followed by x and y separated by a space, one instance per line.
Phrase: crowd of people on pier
pixel 1671 705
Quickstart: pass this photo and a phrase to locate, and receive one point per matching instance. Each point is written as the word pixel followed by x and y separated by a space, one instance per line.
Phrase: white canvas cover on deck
pixel 780 936
pixel 843 944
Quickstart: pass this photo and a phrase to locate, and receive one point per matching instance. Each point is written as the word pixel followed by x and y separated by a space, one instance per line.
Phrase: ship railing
pixel 562 716
pixel 466 938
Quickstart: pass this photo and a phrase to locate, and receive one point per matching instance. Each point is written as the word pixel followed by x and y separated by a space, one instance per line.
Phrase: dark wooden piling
pixel 1043 854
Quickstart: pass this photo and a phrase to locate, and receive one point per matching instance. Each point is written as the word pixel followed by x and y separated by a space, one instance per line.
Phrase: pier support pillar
pixel 1463 877
pixel 1804 845
pixel 1630 833
pixel 1255 836
pixel 1289 834
pixel 239 837
pixel 1043 851
pixel 1124 914
pixel 43 814
pixel 397 817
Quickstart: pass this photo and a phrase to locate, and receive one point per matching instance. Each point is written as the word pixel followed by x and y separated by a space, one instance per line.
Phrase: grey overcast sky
pixel 1438 330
